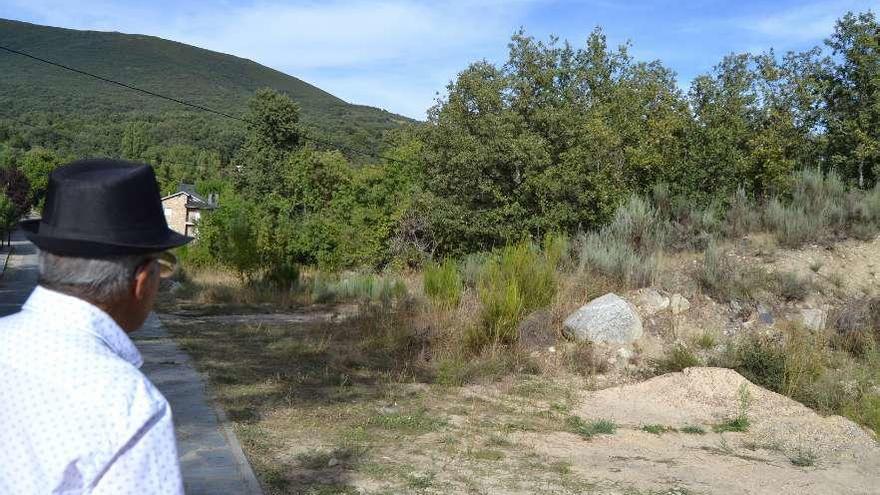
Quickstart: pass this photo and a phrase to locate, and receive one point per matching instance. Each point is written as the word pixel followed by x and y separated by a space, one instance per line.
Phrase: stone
pixel 624 355
pixel 814 319
pixel 649 301
pixel 332 462
pixel 765 316
pixel 605 319
pixel 679 304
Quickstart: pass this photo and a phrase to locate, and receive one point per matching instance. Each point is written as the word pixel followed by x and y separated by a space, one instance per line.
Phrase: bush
pixel 742 216
pixel 443 284
pixel 285 276
pixel 628 249
pixel 787 363
pixel 361 287
pixel 472 268
pixel 791 286
pixel 676 359
pixel 515 282
pixel 557 250
pixel 722 281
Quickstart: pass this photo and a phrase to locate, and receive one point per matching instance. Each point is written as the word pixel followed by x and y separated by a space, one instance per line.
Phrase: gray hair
pixel 99 280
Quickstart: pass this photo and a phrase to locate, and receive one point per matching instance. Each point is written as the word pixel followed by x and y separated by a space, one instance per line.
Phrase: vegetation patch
pixel 589 429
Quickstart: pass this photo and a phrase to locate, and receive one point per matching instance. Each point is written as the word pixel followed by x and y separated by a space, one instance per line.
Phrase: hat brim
pixel 66 246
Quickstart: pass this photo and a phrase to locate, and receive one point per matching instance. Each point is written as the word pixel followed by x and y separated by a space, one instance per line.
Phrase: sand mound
pixel 708 396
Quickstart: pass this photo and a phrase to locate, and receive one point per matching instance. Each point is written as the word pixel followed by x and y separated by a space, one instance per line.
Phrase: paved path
pixel 210 456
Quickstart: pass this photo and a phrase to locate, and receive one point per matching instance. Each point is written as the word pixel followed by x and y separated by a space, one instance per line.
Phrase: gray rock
pixel 765 316
pixel 605 319
pixel 679 304
pixel 624 355
pixel 814 319
pixel 649 301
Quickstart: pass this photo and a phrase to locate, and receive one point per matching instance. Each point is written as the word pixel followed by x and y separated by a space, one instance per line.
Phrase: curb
pixel 6 259
pixel 247 473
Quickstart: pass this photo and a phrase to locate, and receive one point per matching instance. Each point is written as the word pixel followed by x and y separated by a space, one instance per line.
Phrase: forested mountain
pixel 40 94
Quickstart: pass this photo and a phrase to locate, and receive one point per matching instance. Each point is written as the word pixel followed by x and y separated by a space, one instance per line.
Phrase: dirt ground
pixel 320 408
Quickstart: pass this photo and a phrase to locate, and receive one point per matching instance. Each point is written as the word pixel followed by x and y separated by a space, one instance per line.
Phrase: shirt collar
pixel 94 321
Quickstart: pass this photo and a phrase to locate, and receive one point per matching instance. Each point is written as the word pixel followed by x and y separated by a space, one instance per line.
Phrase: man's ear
pixel 142 279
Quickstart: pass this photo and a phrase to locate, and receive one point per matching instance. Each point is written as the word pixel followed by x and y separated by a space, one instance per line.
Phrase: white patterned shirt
pixel 76 414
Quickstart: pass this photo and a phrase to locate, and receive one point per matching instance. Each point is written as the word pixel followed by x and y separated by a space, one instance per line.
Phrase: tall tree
pixel 853 98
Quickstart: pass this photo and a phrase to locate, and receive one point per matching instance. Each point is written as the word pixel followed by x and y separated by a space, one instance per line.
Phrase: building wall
pixel 175 213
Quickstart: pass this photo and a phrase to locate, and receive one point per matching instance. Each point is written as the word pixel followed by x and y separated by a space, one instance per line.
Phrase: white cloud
pixel 359 50
pixel 803 23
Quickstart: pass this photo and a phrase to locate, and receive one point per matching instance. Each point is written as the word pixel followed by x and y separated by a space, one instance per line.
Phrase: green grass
pixel 692 430
pixel 416 423
pixel 677 358
pixel 737 424
pixel 657 429
pixel 485 454
pixel 443 283
pixel 589 429
pixel 804 459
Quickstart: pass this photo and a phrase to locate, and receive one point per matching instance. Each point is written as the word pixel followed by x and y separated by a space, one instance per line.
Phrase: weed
pixel 420 481
pixel 628 249
pixel 677 358
pixel 803 459
pixel 706 340
pixel 485 454
pixel 657 429
pixel 738 424
pixel 817 265
pixel 413 424
pixel 589 429
pixel 693 430
pixel 741 422
pixel 791 286
pixel 322 459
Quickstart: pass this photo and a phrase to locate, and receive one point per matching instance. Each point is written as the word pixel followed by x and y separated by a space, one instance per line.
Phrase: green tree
pixel 36 165
pixel 273 133
pixel 853 98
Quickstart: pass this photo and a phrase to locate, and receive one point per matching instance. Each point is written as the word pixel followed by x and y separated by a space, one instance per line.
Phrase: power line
pixel 195 105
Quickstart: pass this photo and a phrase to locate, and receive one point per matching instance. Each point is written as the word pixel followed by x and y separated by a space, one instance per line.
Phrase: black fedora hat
pixel 102 207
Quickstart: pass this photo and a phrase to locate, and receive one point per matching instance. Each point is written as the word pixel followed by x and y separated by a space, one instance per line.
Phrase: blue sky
pixel 397 54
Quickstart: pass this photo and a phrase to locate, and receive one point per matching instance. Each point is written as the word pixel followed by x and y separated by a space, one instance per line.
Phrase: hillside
pixel 30 90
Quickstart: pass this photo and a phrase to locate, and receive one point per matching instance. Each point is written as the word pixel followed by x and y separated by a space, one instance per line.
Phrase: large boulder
pixel 605 319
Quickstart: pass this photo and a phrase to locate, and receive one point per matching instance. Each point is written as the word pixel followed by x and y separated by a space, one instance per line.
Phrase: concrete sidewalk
pixel 210 456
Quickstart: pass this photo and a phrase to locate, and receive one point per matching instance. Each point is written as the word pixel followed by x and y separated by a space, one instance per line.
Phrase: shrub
pixel 443 284
pixel 628 248
pixel 788 363
pixel 722 281
pixel 361 287
pixel 791 286
pixel 557 250
pixel 284 276
pixel 515 282
pixel 742 216
pixel 677 358
pixel 472 268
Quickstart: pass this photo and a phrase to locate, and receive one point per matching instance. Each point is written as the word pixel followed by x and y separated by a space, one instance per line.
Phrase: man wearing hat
pixel 76 414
